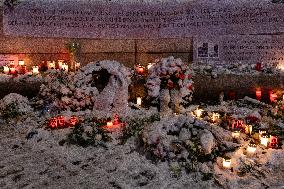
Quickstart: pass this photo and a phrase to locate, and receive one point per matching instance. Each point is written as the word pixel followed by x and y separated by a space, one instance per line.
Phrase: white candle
pixel 227 163
pixel 35 70
pixel 264 139
pixel 65 67
pixel 21 63
pixel 198 112
pixel 6 69
pixel 251 148
pixel 109 123
pixel 60 62
pixel 13 70
pixel 139 101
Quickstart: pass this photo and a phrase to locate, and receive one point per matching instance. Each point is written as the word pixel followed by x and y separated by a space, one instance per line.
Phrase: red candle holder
pixel 258 95
pixel 258 66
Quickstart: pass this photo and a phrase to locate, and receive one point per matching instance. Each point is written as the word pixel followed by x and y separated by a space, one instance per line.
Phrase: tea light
pixel 258 94
pixel 35 70
pixel 251 148
pixel 215 117
pixel 21 63
pixel 6 69
pixel 139 101
pixel 261 132
pixel 236 134
pixel 264 139
pixel 109 124
pixel 227 163
pixel 248 129
pixel 65 67
pixel 60 62
pixel 198 112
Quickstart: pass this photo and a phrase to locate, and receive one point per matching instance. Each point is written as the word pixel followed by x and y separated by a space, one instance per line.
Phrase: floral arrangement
pixel 14 105
pixel 114 96
pixel 170 73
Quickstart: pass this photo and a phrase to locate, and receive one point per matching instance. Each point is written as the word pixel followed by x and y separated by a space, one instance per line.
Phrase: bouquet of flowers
pixel 170 73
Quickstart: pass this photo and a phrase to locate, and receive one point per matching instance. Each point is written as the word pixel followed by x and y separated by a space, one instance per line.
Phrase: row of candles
pixel 12 69
pixel 272 96
pixel 265 139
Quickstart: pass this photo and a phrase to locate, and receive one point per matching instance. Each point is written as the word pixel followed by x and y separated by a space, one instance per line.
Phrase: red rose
pixel 189 76
pixel 190 87
pixel 170 84
pixel 182 76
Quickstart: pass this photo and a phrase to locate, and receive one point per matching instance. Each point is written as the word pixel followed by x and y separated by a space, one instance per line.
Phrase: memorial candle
pixel 139 101
pixel 251 148
pixel 21 63
pixel 258 94
pixel 60 62
pixel 6 69
pixel 65 67
pixel 227 163
pixel 35 70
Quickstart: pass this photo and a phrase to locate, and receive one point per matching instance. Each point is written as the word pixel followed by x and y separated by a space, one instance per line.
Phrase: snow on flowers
pixel 170 73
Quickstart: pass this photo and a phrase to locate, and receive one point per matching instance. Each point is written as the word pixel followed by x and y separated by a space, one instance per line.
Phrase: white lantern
pixel 149 65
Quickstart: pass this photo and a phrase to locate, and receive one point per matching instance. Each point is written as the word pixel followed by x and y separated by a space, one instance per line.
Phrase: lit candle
pixel 227 163
pixel 264 139
pixel 65 67
pixel 198 112
pixel 60 62
pixel 273 143
pixel 258 94
pixel 139 101
pixel 109 124
pixel 6 69
pixel 236 134
pixel 272 97
pixel 248 129
pixel 215 117
pixel 13 70
pixel 21 63
pixel 149 66
pixel 50 65
pixel 35 70
pixel 261 132
pixel 140 69
pixel 11 62
pixel 251 148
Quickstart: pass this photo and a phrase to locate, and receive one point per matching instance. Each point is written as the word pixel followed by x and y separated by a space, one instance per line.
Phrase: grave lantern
pixel 251 148
pixel 73 120
pixel 227 162
pixel 273 141
pixel 61 121
pixel 6 69
pixel 264 139
pixel 258 94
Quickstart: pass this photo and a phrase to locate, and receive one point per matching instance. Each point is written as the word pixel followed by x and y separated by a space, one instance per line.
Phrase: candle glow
pixel 139 101
pixel 251 148
pixel 6 69
pixel 35 70
pixel 198 112
pixel 264 139
pixel 65 67
pixel 227 163
pixel 258 94
pixel 21 63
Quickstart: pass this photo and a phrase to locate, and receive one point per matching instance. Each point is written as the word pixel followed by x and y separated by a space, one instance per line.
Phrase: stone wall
pixel 128 52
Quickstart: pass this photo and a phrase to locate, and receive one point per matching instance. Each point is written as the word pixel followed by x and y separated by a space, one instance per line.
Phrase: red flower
pixel 170 84
pixel 182 76
pixel 189 76
pixel 190 87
